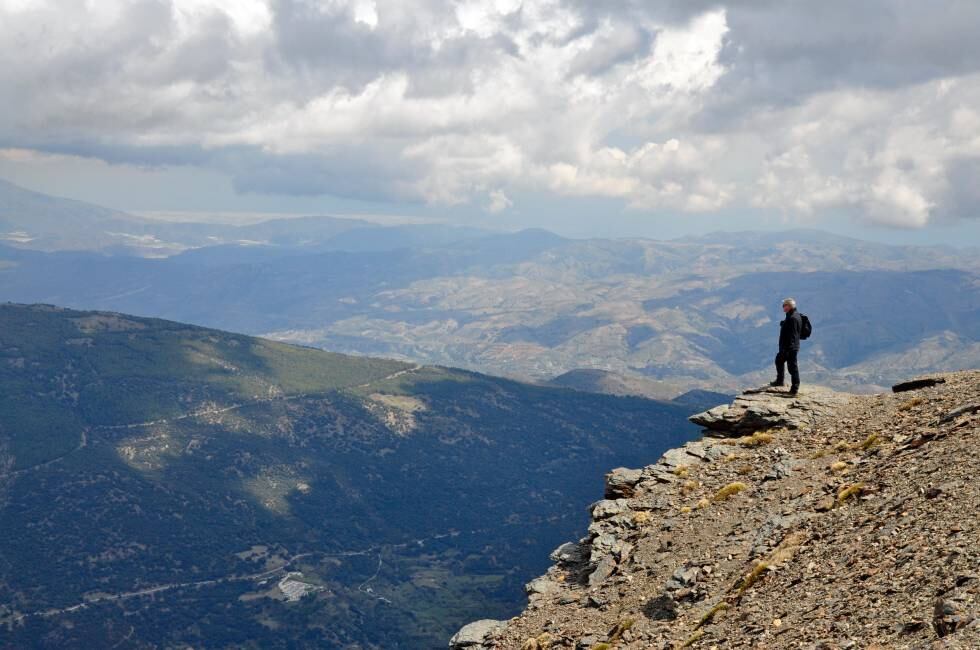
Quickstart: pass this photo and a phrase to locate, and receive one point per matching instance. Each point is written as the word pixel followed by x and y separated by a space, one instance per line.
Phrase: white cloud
pixel 667 107
pixel 498 202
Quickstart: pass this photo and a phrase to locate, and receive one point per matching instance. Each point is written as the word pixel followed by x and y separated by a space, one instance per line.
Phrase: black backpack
pixel 806 329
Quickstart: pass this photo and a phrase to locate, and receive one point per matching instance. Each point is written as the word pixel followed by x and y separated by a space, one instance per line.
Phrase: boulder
pixel 603 569
pixel 621 482
pixel 474 634
pixel 541 586
pixel 608 508
pixel 568 553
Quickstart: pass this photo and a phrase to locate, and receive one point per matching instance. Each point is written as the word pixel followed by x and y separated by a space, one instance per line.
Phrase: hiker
pixel 791 330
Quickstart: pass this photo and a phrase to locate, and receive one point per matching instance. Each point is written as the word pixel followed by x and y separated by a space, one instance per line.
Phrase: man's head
pixel 789 305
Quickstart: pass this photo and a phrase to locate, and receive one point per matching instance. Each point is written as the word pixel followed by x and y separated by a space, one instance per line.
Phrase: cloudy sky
pixel 591 116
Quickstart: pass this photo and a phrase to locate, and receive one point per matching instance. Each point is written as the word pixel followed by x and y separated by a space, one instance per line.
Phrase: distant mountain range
pixel 164 485
pixel 40 222
pixel 693 313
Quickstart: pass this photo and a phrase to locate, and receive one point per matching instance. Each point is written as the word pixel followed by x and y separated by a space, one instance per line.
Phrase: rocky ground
pixel 822 521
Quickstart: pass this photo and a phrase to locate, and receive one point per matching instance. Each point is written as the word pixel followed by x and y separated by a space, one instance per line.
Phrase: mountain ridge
pixel 826 520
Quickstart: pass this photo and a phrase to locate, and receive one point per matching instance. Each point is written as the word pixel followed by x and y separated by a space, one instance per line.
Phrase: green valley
pixel 165 484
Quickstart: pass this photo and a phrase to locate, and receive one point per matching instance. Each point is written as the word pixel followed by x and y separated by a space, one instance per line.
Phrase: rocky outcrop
pixel 820 521
pixel 474 634
pixel 768 408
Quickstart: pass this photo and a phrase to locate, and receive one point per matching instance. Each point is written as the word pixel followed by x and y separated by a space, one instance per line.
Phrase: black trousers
pixel 787 358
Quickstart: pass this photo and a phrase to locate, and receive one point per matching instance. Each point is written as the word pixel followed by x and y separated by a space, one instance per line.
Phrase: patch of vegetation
pixel 542 642
pixel 709 616
pixel 753 576
pixel 869 442
pixel 849 492
pixel 694 638
pixel 783 553
pixel 729 491
pixel 619 629
pixel 908 405
pixel 757 439
pixel 200 444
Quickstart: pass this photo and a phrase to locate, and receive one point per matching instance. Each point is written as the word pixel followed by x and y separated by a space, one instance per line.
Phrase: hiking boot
pixel 793 390
pixel 777 383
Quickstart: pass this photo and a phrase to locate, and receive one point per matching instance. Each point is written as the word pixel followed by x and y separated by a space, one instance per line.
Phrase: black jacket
pixel 789 331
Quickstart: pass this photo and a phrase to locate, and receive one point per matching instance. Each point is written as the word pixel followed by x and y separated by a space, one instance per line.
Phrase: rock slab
pixel 769 408
pixel 474 634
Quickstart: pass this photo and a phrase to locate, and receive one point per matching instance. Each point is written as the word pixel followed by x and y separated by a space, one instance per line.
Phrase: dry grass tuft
pixel 727 458
pixel 745 470
pixel 702 504
pixel 755 440
pixel 839 467
pixel 783 553
pixel 691 640
pixel 787 548
pixel 910 404
pixel 753 576
pixel 689 486
pixel 711 613
pixel 868 442
pixel 642 517
pixel 682 471
pixel 685 509
pixel 542 642
pixel 617 632
pixel 849 492
pixel 729 490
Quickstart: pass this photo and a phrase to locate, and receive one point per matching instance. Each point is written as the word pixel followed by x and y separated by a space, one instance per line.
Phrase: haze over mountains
pixel 664 316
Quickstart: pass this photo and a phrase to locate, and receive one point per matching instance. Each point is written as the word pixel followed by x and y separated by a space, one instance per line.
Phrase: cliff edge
pixel 822 521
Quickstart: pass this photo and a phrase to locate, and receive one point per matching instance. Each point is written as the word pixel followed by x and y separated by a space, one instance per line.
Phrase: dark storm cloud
pixel 782 51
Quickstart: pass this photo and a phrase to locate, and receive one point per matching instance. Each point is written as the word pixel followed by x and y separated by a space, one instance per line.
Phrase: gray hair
pixel 790 302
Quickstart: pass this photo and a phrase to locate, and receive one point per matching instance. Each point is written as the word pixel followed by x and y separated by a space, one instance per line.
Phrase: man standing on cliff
pixel 789 346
